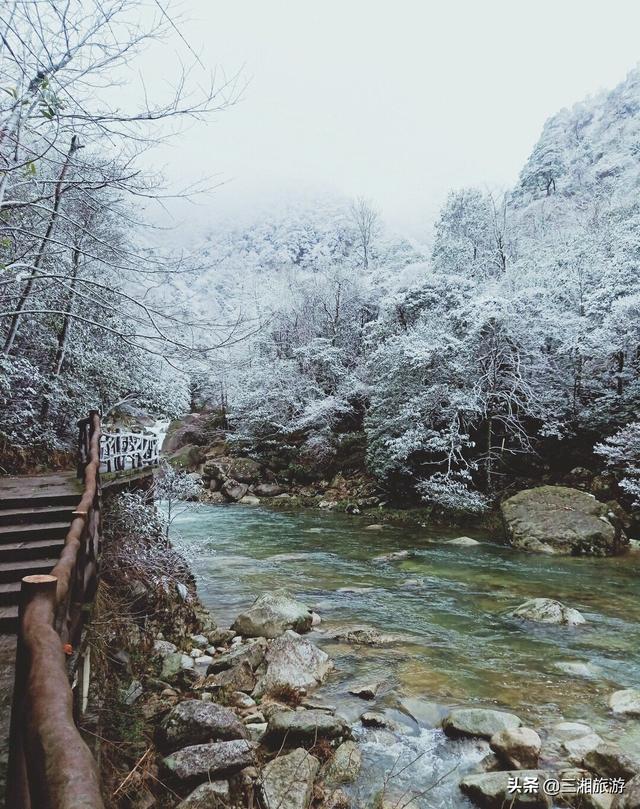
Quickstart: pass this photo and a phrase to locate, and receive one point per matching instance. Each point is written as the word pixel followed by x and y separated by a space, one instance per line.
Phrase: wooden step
pixel 14 571
pixel 8 620
pixel 31 549
pixel 47 498
pixel 43 530
pixel 9 593
pixel 35 514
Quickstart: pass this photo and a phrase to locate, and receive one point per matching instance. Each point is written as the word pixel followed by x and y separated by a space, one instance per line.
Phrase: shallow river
pixel 460 648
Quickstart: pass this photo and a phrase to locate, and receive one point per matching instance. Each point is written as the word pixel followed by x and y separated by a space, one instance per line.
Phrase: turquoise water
pixel 458 646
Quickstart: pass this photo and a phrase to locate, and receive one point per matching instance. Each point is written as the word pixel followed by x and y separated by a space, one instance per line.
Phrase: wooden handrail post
pixel 18 794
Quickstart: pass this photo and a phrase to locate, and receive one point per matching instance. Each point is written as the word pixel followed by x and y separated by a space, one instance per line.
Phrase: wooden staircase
pixel 35 514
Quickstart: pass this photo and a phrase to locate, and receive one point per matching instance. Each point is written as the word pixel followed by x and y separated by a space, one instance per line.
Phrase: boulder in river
pixel 625 702
pixel 365 635
pixel 492 790
pixel 271 614
pixel 193 721
pixel 548 611
pixel 293 663
pixel 480 722
pixel 287 780
pixel 394 556
pixel 519 748
pixel 215 760
pixel 233 490
pixel 345 765
pixel 557 519
pixel 610 761
pixel 305 727
pixel 268 490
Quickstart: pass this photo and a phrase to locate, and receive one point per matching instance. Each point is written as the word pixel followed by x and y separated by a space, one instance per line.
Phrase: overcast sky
pixel 396 100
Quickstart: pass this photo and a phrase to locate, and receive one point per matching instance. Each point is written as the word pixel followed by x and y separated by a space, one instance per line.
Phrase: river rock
pixel 267 490
pixel 174 664
pixel 305 727
pixel 256 731
pixel 394 556
pixel 579 746
pixel 366 690
pixel 519 748
pixel 249 500
pixel 576 669
pixel 271 614
pixel 163 648
pixel 233 490
pixel 193 721
pixel 625 702
pixel 345 765
pixel 207 796
pixel 480 722
pixel 630 798
pixel 240 677
pixel 365 635
pixel 252 653
pixel 287 781
pixel 245 470
pixel 463 542
pixel 569 730
pixel 547 611
pixel 557 519
pixel 374 527
pixel 209 761
pixel 491 790
pixel 610 761
pixel 293 663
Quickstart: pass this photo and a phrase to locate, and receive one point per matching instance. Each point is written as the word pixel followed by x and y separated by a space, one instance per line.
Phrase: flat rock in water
pixel 293 663
pixel 209 761
pixel 425 713
pixel 578 747
pixel 478 722
pixel 345 765
pixel 366 690
pixel 207 796
pixel 610 761
pixel 557 519
pixel 564 731
pixel 625 702
pixel 365 635
pixel 492 790
pixel 272 614
pixel 287 780
pixel 394 556
pixel 195 722
pixel 547 611
pixel 463 542
pixel 586 670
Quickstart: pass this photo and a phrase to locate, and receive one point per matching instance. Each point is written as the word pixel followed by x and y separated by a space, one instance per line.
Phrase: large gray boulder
pixel 195 722
pixel 478 722
pixel 625 702
pixel 304 727
pixel 272 614
pixel 630 798
pixel 293 663
pixel 610 761
pixel 245 470
pixel 200 762
pixel 233 490
pixel 519 748
pixel 287 780
pixel 557 519
pixel 547 611
pixel 492 790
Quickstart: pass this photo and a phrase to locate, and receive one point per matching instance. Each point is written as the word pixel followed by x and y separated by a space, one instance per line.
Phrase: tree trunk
pixel 24 297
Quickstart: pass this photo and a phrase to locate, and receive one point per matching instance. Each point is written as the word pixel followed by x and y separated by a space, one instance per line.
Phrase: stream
pixel 449 603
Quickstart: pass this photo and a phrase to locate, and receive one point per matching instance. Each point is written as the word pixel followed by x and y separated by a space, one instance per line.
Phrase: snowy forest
pixel 507 348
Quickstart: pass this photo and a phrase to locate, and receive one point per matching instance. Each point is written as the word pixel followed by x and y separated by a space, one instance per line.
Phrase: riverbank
pixel 445 606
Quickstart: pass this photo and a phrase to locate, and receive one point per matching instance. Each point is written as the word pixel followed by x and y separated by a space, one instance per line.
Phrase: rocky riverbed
pixel 434 665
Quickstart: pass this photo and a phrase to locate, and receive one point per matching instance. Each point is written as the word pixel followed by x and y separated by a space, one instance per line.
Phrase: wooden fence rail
pixel 50 766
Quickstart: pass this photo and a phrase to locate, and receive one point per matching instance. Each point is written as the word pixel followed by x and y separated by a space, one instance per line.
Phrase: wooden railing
pixel 50 766
pixel 121 451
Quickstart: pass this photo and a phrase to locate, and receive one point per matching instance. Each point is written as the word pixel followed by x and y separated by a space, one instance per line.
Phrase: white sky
pixel 396 100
